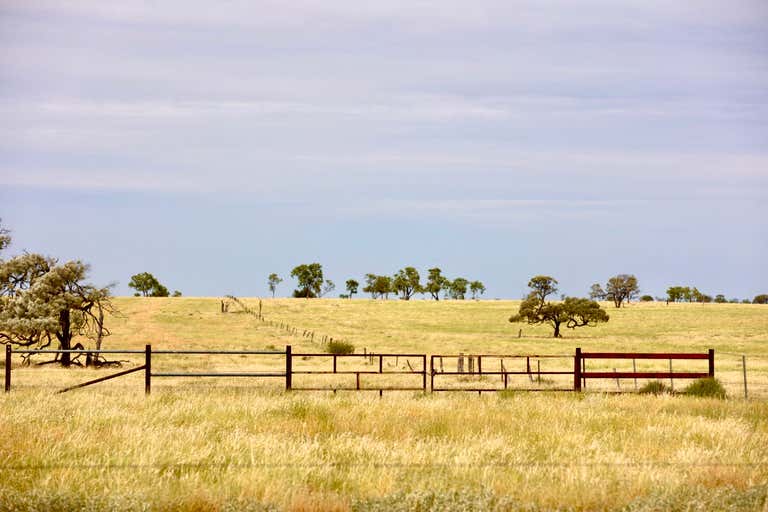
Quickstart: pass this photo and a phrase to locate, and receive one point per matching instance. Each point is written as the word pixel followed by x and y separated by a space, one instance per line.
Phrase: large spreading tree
pixel 44 302
pixel 572 312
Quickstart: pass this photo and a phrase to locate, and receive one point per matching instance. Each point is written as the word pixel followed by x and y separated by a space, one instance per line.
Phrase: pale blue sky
pixel 496 140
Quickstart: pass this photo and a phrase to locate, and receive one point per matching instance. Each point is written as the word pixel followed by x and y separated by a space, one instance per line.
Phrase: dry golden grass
pixel 235 445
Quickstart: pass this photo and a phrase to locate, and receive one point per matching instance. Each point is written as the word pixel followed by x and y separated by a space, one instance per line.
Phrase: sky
pixel 213 143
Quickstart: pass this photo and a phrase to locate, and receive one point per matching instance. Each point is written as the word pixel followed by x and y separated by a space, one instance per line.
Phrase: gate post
pixel 577 370
pixel 147 369
pixel 711 358
pixel 288 368
pixel 8 368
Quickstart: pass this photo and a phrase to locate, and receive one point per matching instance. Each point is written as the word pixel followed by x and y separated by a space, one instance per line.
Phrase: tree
pixel 310 278
pixel 406 282
pixel 572 312
pixel 679 294
pixel 760 299
pixel 352 286
pixel 620 288
pixel 273 280
pixel 42 301
pixel 143 283
pixel 435 283
pixel 476 287
pixel 147 285
pixel 378 286
pixel 646 298
pixel 458 288
pixel 596 292
pixel 176 293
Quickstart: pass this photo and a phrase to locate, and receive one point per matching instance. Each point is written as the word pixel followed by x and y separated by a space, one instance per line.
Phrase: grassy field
pixel 233 445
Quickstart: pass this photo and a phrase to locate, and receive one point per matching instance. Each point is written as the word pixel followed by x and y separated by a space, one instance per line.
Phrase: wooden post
pixel 538 371
pixel 424 373
pixel 528 368
pixel 460 363
pixel 334 363
pixel 634 370
pixel 480 365
pixel 288 368
pixel 260 309
pixel 711 358
pixel 583 371
pixel 671 380
pixel 471 364
pixel 381 364
pixel 520 333
pixel 147 369
pixel 577 370
pixel 8 368
pixel 618 384
pixel 431 373
pixel 357 380
pixel 743 370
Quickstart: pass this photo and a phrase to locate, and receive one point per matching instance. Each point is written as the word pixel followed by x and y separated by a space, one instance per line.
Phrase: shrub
pixel 707 387
pixel 654 387
pixel 646 298
pixel 760 299
pixel 339 347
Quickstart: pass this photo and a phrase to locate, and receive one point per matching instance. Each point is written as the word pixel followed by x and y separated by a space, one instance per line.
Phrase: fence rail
pixel 477 366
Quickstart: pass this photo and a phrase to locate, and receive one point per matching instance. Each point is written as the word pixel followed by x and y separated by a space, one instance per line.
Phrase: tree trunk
pixel 65 336
pixel 557 330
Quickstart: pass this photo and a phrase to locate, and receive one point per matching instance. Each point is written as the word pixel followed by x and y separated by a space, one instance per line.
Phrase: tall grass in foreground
pixel 235 448
pixel 221 445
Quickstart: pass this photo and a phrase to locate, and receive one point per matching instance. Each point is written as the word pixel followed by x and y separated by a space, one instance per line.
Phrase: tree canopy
pixel 147 285
pixel 42 301
pixel 406 282
pixel 620 288
pixel 378 286
pixel 310 279
pixel 458 288
pixel 352 286
pixel 572 312
pixel 435 283
pixel 476 287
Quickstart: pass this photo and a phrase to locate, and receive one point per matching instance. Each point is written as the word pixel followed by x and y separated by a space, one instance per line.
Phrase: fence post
pixel 577 370
pixel 8 368
pixel 634 370
pixel 424 374
pixel 147 369
pixel 711 358
pixel 288 368
pixel 671 377
pixel 744 372
pixel 431 373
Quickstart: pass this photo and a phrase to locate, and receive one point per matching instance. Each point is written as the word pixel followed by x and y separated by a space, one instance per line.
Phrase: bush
pixel 339 348
pixel 707 387
pixel 646 298
pixel 654 387
pixel 760 299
